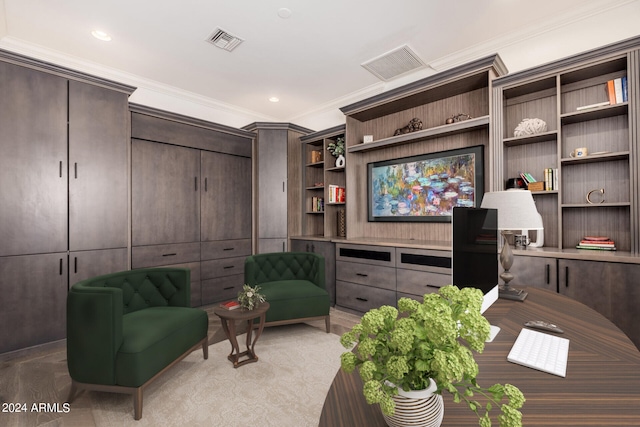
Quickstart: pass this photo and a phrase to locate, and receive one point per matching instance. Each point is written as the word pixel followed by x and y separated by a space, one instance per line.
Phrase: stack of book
pixel 600 243
pixel 336 194
pixel 230 305
pixel 617 90
pixel 317 204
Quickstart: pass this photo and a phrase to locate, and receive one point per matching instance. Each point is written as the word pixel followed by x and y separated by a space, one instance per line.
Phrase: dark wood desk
pixel 602 387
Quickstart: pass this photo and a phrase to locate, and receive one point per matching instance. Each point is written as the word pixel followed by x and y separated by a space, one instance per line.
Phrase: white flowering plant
pixel 249 298
pixel 433 339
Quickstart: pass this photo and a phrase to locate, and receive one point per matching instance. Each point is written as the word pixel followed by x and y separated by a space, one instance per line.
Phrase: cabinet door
pixel 165 193
pixel 34 295
pixel 533 271
pixel 86 264
pixel 587 282
pixel 625 298
pixel 98 139
pixel 33 163
pixel 272 245
pixel 272 183
pixel 226 196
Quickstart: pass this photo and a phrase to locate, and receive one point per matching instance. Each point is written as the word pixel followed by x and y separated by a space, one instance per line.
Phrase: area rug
pixel 286 387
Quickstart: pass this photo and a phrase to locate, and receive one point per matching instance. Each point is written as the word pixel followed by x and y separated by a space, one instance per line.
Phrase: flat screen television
pixel 425 187
pixel 475 251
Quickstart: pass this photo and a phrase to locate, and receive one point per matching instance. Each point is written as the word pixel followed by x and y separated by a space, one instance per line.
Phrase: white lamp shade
pixel 516 211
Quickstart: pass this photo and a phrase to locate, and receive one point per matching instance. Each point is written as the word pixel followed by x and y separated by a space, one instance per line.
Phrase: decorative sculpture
pixel 530 127
pixel 457 118
pixel 414 125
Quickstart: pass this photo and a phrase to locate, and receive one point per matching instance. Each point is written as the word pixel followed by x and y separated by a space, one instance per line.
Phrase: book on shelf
pixel 337 194
pixel 596 105
pixel 317 204
pixel 597 243
pixel 551 179
pixel 617 90
pixel 230 305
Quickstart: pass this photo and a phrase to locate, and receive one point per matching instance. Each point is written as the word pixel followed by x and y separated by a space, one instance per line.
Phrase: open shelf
pixel 421 135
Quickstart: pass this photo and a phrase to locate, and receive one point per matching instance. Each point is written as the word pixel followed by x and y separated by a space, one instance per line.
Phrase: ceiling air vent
pixel 224 40
pixel 394 63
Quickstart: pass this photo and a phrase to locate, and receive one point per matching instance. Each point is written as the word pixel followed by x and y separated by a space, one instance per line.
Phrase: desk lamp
pixel 516 211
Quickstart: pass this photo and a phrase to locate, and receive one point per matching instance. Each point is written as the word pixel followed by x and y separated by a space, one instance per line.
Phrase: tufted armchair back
pixel 271 267
pixel 151 287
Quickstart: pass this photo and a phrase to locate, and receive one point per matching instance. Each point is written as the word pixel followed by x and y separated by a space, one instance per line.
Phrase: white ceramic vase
pixel 420 408
pixel 340 161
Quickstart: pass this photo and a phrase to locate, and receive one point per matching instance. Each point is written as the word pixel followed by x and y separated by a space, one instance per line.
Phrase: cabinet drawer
pixel 226 248
pixel 221 288
pixel 424 260
pixel 222 267
pixel 363 298
pixel 364 274
pixel 420 282
pixel 364 254
pixel 159 255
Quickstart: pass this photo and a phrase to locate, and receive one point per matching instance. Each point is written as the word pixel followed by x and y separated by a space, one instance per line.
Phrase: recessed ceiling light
pixel 101 35
pixel 284 13
pixel 274 99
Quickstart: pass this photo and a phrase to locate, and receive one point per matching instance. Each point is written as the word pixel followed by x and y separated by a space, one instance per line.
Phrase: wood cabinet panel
pixel 33 164
pixel 587 282
pixel 221 288
pixel 625 299
pixel 226 196
pixel 165 193
pixel 159 255
pixel 364 274
pixel 534 271
pixel 98 179
pixel 34 297
pixel 272 184
pixel 86 264
pixel 222 267
pixel 362 298
pixel 420 282
pixel 225 249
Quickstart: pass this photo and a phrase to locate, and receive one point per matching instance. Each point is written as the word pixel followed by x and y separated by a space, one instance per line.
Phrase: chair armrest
pixel 94 332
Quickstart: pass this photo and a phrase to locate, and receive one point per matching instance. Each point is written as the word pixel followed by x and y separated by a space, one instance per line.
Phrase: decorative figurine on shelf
pixel 457 118
pixel 530 127
pixel 337 150
pixel 414 125
pixel 249 298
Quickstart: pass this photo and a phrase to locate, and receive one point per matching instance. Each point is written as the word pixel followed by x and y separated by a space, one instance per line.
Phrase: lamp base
pixel 507 292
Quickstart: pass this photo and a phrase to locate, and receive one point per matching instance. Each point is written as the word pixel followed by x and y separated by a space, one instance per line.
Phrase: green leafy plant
pixel 336 148
pixel 433 339
pixel 249 297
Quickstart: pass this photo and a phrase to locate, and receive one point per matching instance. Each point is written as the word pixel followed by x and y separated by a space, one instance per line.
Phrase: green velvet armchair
pixel 125 329
pixel 294 285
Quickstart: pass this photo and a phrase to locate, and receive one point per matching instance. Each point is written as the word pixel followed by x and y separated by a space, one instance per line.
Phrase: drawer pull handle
pixel 174 254
pixel 227 288
pixel 430 286
pixel 362 299
pixel 226 267
pixel 228 249
pixel 362 275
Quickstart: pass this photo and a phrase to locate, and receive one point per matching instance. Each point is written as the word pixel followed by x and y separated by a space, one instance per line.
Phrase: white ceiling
pixel 311 61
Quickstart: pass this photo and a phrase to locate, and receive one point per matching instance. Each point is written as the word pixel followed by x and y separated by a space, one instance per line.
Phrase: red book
pixel 230 305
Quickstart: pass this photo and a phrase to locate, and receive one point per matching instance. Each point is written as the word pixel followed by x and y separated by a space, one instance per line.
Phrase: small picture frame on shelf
pixel 367 138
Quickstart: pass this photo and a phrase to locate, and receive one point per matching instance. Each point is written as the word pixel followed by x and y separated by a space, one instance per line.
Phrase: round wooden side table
pixel 228 319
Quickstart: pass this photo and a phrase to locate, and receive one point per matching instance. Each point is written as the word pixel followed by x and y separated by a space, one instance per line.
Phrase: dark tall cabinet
pixel 63 192
pixel 192 194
